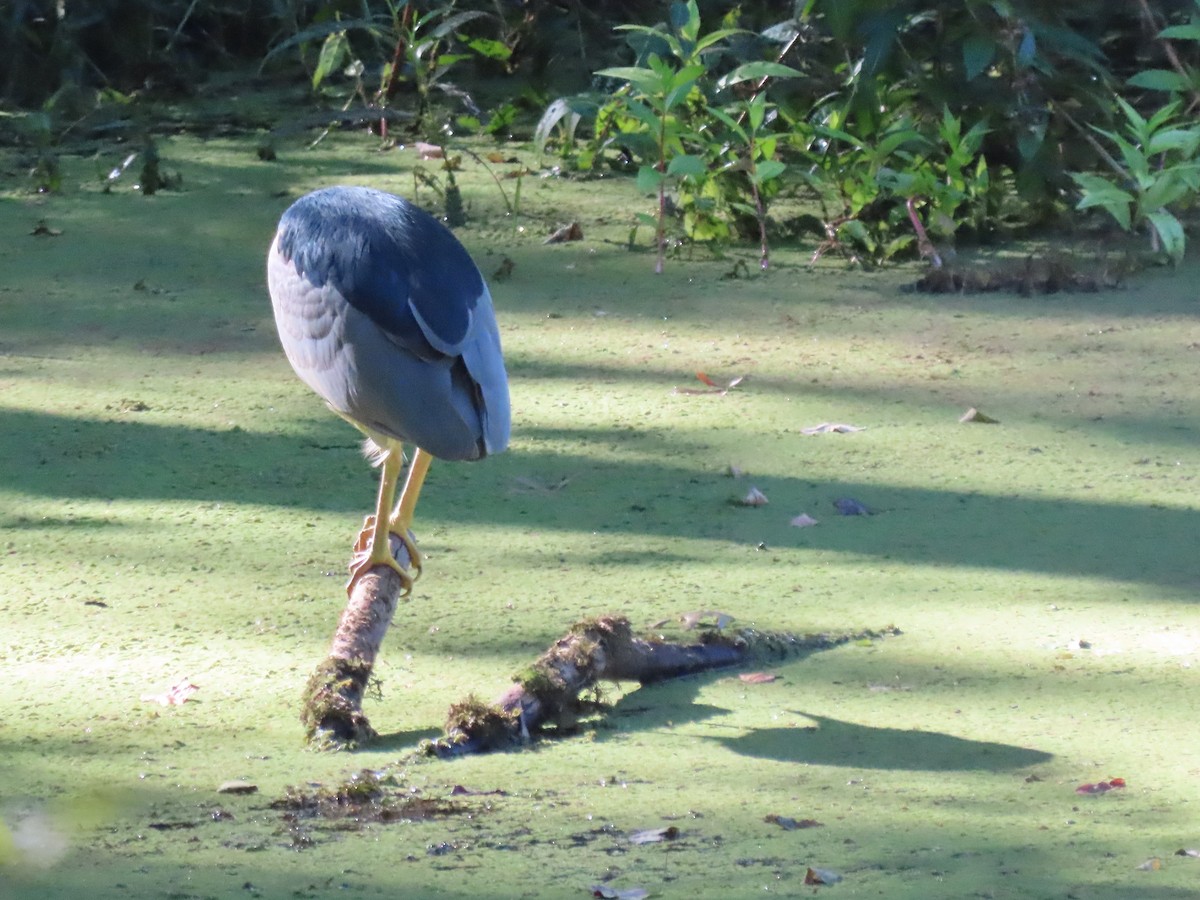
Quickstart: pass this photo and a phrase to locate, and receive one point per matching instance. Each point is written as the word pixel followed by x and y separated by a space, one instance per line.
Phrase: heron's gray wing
pixel 391 261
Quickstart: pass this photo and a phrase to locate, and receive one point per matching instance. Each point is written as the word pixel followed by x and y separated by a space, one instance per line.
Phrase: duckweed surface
pixel 176 507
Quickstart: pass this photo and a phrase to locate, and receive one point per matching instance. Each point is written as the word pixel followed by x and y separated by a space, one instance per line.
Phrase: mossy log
pixel 545 695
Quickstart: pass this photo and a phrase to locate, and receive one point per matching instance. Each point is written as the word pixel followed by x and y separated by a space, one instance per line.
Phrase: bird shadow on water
pixel 833 742
pixel 820 740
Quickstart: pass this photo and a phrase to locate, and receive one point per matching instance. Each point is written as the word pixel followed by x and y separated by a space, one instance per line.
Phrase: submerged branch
pixel 332 707
pixel 547 694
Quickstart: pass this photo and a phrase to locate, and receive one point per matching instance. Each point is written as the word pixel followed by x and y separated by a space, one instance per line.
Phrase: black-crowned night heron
pixel 381 311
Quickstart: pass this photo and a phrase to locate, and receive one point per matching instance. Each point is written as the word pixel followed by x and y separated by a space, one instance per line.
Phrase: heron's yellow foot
pixel 374 548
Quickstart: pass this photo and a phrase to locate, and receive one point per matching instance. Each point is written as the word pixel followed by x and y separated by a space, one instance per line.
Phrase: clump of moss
pixel 481 721
pixel 331 711
pixel 363 798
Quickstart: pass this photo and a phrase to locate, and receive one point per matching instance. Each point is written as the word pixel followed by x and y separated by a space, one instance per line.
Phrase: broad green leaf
pixel 643 114
pixel 892 142
pixel 973 139
pixel 1170 233
pixel 896 244
pixel 335 49
pixel 857 231
pixel 456 21
pixel 1099 192
pixel 1136 124
pixel 687 166
pixel 1161 117
pixel 645 80
pixel 1184 140
pixel 836 134
pixel 714 36
pixel 753 71
pixel 728 121
pixel 1189 32
pixel 768 169
pixel 685 19
pixel 1158 80
pixel 1167 188
pixel 489 48
pixel 902 183
pixel 323 30
pixel 951 128
pixel 757 110
pixel 1136 161
pixel 681 86
pixel 649 179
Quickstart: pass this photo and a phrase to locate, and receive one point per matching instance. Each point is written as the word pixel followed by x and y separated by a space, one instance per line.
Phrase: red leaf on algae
pixel 1101 787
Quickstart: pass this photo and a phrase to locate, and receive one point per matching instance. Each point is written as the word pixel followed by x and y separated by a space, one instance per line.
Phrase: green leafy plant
pixel 1181 78
pixel 1157 169
pixel 853 181
pixel 669 115
pixel 418 49
pixel 755 160
pixel 660 90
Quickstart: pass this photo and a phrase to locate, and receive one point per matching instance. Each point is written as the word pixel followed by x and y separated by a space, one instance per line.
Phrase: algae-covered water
pixel 175 506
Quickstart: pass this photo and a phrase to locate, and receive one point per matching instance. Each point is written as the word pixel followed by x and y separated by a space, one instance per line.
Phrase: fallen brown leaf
pixel 821 876
pixel 754 497
pixel 176 695
pixel 714 389
pixel 428 151
pixel 757 677
pixel 571 232
pixel 978 418
pixel 654 835
pixel 832 428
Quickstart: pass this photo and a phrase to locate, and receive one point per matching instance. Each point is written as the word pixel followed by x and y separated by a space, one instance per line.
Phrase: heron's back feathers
pixel 383 313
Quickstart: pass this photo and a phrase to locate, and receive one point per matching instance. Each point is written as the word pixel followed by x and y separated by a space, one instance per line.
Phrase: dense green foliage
pixel 901 124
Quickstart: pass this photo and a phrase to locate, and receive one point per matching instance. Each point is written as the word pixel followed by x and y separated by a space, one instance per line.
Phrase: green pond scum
pixel 177 511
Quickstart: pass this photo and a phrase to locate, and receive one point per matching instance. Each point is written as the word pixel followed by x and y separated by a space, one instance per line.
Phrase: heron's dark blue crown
pixel 391 261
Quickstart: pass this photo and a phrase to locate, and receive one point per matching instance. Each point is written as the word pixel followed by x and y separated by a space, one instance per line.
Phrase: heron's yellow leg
pixel 402 516
pixel 373 547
